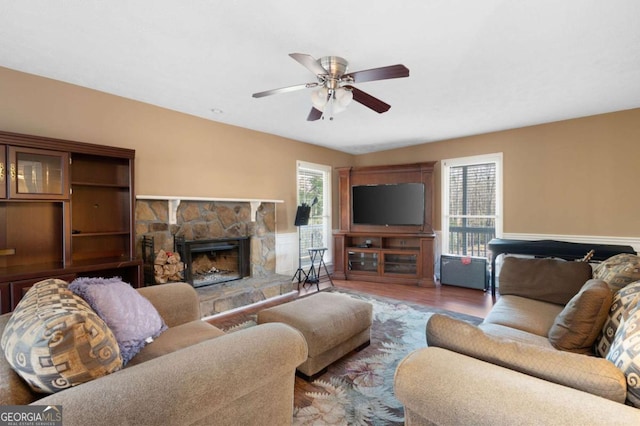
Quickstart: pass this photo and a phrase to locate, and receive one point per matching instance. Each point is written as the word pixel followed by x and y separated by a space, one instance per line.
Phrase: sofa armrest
pixel 587 373
pixel 177 303
pixel 246 377
pixel 438 386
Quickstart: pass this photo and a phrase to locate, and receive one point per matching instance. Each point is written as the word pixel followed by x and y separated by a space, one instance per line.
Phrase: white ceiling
pixel 476 65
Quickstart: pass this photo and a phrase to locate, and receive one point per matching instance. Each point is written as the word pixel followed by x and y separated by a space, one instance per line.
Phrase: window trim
pixel 447 164
pixel 327 198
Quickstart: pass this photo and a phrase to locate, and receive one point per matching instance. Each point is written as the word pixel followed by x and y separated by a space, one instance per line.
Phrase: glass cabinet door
pixel 400 263
pixel 35 173
pixel 363 261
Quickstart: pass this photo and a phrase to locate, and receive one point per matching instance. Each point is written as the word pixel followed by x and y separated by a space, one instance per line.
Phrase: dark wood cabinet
pixel 37 174
pixel 66 210
pixel 389 258
pixel 385 253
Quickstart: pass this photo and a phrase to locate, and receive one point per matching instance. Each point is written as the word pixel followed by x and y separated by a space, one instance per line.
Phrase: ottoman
pixel 332 324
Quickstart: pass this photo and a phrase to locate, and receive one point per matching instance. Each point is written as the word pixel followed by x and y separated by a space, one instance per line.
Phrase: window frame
pixel 497 159
pixel 327 207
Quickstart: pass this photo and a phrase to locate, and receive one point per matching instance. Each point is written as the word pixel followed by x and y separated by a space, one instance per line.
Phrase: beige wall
pixel 176 154
pixel 574 177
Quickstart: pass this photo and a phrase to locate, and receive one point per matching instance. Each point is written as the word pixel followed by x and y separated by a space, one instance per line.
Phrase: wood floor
pixel 457 299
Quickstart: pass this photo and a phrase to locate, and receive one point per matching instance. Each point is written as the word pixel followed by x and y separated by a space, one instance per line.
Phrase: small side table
pixel 313 276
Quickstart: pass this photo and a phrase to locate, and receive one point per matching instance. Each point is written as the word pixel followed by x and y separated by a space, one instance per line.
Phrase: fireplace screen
pixel 215 261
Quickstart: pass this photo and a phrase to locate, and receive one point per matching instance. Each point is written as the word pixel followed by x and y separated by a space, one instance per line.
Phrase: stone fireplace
pixel 211 226
pixel 207 220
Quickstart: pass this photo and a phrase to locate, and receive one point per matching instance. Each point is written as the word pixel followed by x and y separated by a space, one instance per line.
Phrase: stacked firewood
pixel 167 267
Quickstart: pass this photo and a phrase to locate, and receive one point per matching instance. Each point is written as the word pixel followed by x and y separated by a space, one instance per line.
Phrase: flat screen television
pixel 400 204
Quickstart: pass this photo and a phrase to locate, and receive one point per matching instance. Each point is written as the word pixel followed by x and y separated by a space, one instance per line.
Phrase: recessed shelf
pixel 104 185
pixel 98 234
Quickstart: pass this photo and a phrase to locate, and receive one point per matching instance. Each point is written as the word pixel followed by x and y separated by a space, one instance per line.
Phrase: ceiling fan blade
pixel 314 114
pixel 367 100
pixel 383 73
pixel 284 90
pixel 310 63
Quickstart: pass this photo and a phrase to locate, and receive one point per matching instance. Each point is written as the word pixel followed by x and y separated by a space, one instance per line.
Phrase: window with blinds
pixel 314 189
pixel 471 205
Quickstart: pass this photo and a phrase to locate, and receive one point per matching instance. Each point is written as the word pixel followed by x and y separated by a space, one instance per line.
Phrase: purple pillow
pixel 131 317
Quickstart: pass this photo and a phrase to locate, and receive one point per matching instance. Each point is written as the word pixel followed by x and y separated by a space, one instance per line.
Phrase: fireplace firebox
pixel 214 261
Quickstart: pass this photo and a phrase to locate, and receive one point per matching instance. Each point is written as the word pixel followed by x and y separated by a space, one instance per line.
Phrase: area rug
pixel 358 390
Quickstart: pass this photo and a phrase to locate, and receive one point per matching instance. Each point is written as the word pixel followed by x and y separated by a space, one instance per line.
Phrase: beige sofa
pixel 506 371
pixel 192 374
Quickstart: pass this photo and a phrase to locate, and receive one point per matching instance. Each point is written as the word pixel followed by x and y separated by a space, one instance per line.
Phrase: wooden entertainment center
pixel 66 211
pixel 400 254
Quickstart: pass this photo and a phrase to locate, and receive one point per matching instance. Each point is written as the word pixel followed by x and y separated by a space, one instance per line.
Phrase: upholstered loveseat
pixel 193 373
pixel 531 361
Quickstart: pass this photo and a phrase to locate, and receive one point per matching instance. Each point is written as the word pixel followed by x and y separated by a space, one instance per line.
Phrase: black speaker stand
pixel 300 272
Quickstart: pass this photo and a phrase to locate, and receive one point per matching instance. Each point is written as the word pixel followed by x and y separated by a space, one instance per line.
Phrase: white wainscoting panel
pixel 286 253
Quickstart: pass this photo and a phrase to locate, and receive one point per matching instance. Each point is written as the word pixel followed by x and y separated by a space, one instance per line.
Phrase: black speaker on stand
pixel 302 219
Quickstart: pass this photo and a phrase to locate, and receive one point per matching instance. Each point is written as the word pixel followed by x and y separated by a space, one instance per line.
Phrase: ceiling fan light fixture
pixel 341 99
pixel 336 100
pixel 319 98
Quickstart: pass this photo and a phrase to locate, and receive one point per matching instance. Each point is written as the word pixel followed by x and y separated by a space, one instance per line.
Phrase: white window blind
pixel 314 189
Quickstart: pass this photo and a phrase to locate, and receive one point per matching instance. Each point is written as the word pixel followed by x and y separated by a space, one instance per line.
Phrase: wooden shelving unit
pixel 385 254
pixel 66 210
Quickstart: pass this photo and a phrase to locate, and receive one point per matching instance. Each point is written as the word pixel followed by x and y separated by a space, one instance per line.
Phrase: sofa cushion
pixel 504 332
pixel 582 372
pixel 54 340
pixel 625 352
pixel 177 303
pixel 549 280
pixel 132 318
pixel 578 325
pixel 622 299
pixel 521 313
pixel 175 338
pixel 619 270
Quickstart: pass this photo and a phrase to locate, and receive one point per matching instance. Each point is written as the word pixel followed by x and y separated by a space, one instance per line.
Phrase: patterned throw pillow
pixel 619 270
pixel 132 318
pixel 54 340
pixel 625 353
pixel 622 300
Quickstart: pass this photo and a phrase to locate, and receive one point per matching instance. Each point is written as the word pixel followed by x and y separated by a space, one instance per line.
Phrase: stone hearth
pixel 235 294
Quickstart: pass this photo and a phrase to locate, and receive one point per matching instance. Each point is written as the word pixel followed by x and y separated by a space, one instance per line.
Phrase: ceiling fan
pixel 335 90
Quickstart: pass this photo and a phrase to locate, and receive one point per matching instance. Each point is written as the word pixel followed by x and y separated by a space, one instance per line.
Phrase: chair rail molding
pixel 584 239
